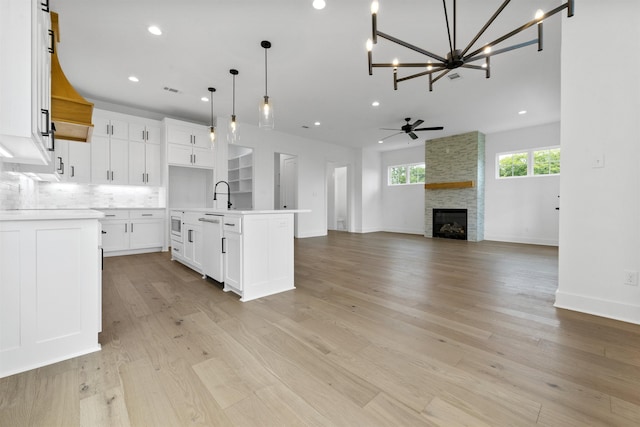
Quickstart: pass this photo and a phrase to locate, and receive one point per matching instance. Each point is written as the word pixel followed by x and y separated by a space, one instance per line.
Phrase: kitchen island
pixel 50 287
pixel 250 251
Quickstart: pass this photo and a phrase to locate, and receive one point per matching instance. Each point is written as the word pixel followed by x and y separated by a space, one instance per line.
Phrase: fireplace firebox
pixel 450 223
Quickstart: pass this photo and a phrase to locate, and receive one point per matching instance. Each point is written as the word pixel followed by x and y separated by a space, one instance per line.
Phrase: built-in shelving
pixel 240 169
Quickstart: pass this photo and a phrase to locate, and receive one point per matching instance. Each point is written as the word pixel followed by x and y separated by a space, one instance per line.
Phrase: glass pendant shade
pixel 266 113
pixel 232 132
pixel 265 108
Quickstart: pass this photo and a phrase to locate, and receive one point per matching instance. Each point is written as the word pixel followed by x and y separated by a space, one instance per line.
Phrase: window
pixel 513 164
pixel 546 162
pixel 406 174
pixel 535 162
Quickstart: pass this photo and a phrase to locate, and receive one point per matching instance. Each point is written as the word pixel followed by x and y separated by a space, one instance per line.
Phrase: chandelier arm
pixel 484 28
pixel 424 73
pixel 474 67
pixel 407 64
pixel 503 50
pixel 441 75
pixel 446 19
pixel 519 29
pixel 410 46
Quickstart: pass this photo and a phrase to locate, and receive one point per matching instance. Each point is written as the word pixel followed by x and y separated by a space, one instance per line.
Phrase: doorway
pixel 285 181
pixel 338 206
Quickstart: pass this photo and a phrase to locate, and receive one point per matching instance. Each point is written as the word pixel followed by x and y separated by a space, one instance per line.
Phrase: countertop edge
pixel 49 214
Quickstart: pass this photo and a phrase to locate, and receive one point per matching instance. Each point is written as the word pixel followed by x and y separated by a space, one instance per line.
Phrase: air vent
pixel 454 76
pixel 170 89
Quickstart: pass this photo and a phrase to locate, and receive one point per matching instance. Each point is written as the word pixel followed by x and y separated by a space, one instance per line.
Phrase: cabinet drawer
pixel 147 213
pixel 233 224
pixel 115 214
pixel 177 248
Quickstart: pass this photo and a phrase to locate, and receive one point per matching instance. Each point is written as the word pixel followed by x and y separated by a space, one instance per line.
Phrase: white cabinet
pixel 193 240
pixel 50 291
pixel 110 151
pixel 26 43
pixel 132 231
pixel 188 144
pixel 259 254
pixel 144 163
pixel 73 161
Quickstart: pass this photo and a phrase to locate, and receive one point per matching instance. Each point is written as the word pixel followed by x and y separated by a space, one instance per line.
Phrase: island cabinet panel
pixel 259 258
pixel 50 292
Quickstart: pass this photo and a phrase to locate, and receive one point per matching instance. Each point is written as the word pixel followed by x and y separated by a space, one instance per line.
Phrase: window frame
pixel 530 162
pixel 407 172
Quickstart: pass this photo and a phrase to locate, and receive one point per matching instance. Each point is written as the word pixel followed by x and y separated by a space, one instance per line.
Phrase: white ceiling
pixel 317 64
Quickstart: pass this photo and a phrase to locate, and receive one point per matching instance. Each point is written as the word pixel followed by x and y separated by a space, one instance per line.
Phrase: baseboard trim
pixel 519 239
pixel 598 307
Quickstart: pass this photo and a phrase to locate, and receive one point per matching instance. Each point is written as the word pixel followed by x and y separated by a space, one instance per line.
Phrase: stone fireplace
pixel 454 182
pixel 450 223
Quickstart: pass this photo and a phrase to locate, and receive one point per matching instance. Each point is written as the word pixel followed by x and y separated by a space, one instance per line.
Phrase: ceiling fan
pixel 410 129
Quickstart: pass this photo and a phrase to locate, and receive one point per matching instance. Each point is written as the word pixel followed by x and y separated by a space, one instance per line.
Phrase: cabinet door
pixel 152 163
pixel 137 171
pixel 119 129
pixel 154 134
pixel 179 155
pixel 101 126
pixel 61 159
pixel 233 260
pixel 180 134
pixel 201 137
pixel 78 166
pixel 137 132
pixel 119 161
pixel 203 157
pixel 146 234
pixel 117 235
pixel 193 245
pixel 100 170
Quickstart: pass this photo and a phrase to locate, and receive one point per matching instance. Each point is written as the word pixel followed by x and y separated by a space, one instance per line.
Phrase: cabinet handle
pixel 229 224
pixel 147 138
pixel 73 171
pixel 125 227
pixel 47 132
pixel 45 6
pixel 52 45
pixel 147 214
pixel 107 175
pixel 132 227
pixel 143 177
pixel 194 159
pixel 111 175
pixel 60 163
pixel 61 167
pixel 110 215
pixel 224 250
pixel 107 129
pixel 111 129
pixel 189 236
pixel 147 178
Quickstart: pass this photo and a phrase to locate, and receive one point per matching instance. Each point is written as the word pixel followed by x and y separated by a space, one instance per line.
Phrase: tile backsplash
pixel 20 192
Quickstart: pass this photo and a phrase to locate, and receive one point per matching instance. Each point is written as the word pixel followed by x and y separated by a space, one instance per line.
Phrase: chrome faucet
pixel 215 193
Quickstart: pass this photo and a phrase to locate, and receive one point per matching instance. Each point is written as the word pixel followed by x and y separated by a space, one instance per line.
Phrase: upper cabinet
pixel 26 44
pixel 188 144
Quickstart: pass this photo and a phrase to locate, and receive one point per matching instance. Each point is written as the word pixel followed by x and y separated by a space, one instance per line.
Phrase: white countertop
pixel 48 214
pixel 242 212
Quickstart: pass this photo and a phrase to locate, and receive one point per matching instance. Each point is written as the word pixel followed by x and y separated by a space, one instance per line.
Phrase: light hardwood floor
pixel 383 329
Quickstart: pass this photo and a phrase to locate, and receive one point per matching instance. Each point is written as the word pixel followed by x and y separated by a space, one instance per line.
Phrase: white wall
pixel 313 156
pixel 521 209
pixel 402 205
pixel 340 199
pixel 599 207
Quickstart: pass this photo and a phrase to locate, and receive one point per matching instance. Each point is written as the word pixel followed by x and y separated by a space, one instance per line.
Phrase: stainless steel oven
pixel 176 226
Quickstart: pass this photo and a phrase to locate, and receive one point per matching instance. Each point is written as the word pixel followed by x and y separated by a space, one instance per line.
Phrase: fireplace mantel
pixel 449 185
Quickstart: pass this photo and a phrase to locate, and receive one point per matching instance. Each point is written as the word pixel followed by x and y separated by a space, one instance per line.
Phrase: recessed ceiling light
pixel 319 4
pixel 155 30
pixel 134 79
pixel 375 103
pixel 521 112
pixel 317 123
pixel 204 99
pixel 380 142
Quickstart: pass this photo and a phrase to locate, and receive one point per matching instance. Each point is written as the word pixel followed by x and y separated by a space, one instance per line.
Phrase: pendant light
pixel 265 118
pixel 212 128
pixel 232 133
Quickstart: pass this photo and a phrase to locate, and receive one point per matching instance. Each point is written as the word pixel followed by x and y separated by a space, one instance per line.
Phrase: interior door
pixel 288 183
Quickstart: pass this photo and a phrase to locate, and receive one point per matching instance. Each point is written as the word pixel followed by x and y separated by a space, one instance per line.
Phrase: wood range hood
pixel 70 112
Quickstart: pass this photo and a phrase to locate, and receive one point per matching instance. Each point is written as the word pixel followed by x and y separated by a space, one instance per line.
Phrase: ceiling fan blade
pixel 390 129
pixel 431 128
pixel 394 134
pixel 416 124
pixel 413 135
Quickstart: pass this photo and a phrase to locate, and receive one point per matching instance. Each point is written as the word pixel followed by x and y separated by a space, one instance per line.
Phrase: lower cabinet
pixel 132 231
pixel 233 260
pixel 50 291
pixel 191 250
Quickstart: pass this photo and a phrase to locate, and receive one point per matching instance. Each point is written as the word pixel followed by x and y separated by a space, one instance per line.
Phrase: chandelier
pixel 440 66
